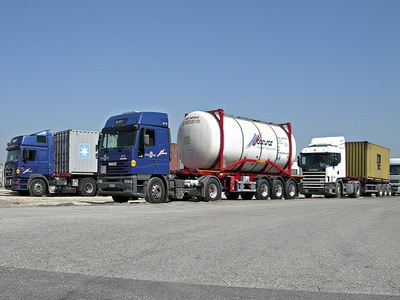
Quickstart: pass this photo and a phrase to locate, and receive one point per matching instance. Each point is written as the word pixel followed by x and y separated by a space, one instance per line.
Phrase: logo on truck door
pixel 151 154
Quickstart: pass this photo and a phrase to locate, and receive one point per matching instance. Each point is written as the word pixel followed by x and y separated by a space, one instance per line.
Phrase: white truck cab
pixel 323 162
pixel 395 175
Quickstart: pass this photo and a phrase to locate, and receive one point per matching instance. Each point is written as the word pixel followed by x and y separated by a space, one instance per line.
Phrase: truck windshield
pixel 318 160
pixel 119 139
pixel 13 155
pixel 394 169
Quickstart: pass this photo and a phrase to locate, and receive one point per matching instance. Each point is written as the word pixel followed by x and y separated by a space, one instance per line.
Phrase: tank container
pixel 199 143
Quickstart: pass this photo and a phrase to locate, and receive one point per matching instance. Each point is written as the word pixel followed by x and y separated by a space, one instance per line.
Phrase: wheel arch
pixel 38 176
pixel 163 178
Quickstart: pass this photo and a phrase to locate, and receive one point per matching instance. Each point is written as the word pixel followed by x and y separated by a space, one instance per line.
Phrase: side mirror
pixel 146 140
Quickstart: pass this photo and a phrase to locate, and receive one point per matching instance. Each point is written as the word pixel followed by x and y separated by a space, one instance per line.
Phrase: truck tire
pixel 384 191
pixel 155 191
pixel 87 187
pixel 37 187
pixel 262 189
pixel 379 191
pixel 290 189
pixel 212 190
pixel 277 189
pixel 338 190
pixel 357 190
pixel 389 191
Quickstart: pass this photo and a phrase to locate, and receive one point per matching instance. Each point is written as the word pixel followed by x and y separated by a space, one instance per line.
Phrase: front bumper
pixel 16 184
pixel 118 186
pixel 327 189
pixel 395 189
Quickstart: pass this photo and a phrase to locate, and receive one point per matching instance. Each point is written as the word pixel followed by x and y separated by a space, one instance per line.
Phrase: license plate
pixel 112 184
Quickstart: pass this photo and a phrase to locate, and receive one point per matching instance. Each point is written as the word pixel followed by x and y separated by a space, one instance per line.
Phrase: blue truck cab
pixel 46 162
pixel 134 156
pixel 29 157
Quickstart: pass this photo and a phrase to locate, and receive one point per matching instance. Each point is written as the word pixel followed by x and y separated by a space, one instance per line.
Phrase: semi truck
pixel 220 154
pixel 334 168
pixel 395 175
pixel 46 162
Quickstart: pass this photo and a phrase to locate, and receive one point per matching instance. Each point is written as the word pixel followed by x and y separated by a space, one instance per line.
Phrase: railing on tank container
pixel 287 127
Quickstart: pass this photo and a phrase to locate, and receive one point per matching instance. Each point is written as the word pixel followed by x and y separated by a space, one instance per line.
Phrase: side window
pixel 336 159
pixel 30 155
pixel 146 140
pixel 152 138
pixel 41 139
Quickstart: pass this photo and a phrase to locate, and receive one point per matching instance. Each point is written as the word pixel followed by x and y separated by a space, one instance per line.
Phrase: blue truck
pixel 46 162
pixel 135 150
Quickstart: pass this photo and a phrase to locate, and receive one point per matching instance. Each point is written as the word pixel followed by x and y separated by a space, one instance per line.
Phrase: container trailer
pixel 61 162
pixel 220 153
pixel 333 167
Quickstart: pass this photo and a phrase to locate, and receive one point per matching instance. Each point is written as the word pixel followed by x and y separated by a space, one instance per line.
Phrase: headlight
pixel 99 180
pixel 128 181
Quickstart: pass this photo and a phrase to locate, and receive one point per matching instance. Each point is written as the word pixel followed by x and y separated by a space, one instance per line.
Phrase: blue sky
pixel 328 67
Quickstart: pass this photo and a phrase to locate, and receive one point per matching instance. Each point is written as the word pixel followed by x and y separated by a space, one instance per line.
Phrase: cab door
pixel 153 152
pixel 30 164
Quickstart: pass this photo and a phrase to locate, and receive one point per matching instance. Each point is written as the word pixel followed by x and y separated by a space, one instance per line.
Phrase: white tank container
pixel 199 139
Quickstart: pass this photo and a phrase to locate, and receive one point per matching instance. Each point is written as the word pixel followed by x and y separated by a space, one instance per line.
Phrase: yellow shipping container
pixel 367 160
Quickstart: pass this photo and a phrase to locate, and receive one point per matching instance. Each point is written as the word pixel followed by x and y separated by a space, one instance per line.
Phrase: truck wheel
pixel 379 191
pixel 87 187
pixel 389 190
pixel 262 189
pixel 384 191
pixel 357 191
pixel 231 195
pixel 120 199
pixel 212 190
pixel 290 189
pixel 155 191
pixel 37 187
pixel 338 190
pixel 277 189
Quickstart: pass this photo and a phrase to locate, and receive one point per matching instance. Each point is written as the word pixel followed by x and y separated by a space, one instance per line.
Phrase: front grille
pixel 314 180
pixel 394 181
pixel 116 167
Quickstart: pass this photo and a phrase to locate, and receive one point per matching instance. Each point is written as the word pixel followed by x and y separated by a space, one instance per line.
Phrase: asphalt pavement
pixel 282 249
